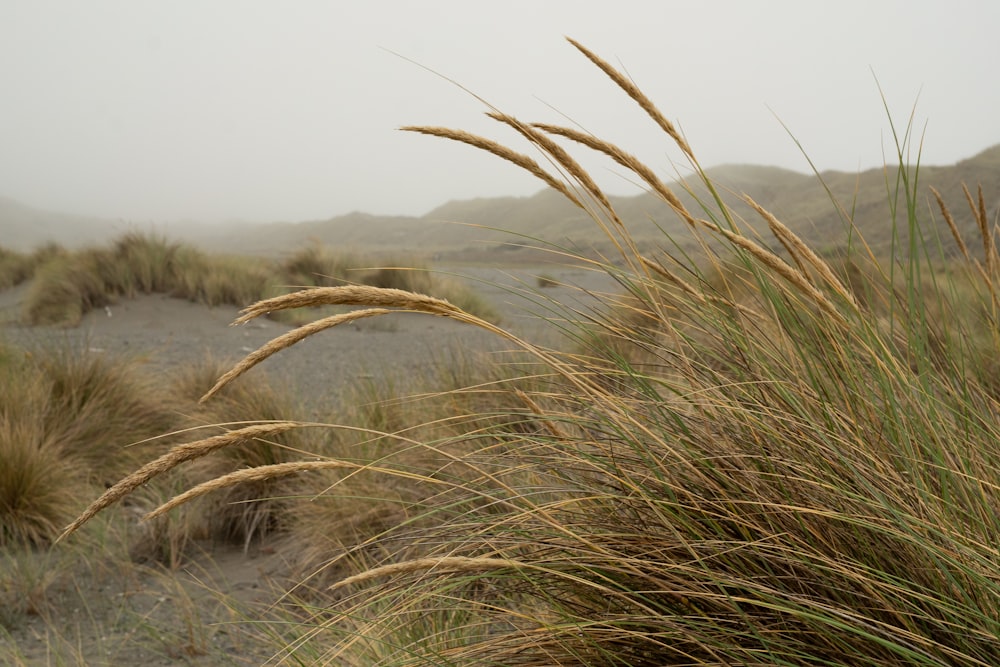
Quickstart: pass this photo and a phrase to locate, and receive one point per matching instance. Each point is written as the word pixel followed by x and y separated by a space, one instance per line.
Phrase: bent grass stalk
pixel 989 247
pixel 177 455
pixel 798 249
pixel 273 471
pixel 389 301
pixel 444 564
pixel 956 235
pixel 563 159
pixel 978 208
pixel 500 151
pixel 287 340
pixel 638 96
pixel 780 267
pixel 626 160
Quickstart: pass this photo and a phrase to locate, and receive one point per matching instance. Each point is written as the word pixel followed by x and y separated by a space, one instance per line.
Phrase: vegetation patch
pixel 69 285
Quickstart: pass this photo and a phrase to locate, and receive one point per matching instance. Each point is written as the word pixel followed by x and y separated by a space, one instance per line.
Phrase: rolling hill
pixel 23 227
pixel 483 225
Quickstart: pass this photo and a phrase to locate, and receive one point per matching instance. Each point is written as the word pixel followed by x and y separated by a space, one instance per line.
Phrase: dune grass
pixel 74 420
pixel 72 284
pixel 14 268
pixel 69 285
pixel 66 417
pixel 17 267
pixel 39 488
pixel 752 458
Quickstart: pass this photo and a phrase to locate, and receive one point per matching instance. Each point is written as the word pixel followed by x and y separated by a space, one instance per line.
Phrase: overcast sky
pixel 246 109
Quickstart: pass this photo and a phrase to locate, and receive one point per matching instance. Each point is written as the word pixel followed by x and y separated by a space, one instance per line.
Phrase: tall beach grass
pixel 752 457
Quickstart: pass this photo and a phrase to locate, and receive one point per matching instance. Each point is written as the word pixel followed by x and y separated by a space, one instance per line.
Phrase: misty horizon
pixel 244 111
pixel 540 188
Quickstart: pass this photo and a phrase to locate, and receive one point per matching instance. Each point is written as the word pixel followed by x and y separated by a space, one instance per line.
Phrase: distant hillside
pixel 484 225
pixel 355 230
pixel 24 228
pixel 798 199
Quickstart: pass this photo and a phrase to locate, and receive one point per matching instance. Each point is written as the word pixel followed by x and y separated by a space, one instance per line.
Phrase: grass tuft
pixel 39 487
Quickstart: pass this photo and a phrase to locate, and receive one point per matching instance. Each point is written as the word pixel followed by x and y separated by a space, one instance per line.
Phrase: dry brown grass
pixel 442 565
pixel 638 96
pixel 500 151
pixel 258 473
pixel 562 158
pixel 801 252
pixel 177 455
pixel 287 340
pixel 39 484
pixel 626 160
pixel 376 301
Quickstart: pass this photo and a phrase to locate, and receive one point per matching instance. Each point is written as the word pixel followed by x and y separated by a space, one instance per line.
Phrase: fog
pixel 240 109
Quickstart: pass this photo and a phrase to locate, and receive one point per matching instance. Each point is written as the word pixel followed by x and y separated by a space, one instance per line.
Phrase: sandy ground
pixel 153 618
pixel 403 348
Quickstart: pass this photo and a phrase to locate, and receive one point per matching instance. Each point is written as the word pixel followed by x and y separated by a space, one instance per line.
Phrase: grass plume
pixel 501 151
pixel 177 455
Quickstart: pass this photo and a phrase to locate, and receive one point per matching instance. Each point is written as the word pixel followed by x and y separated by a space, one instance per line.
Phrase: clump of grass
pixel 745 495
pixel 65 289
pixel 67 417
pixel 410 279
pixel 69 285
pixel 14 268
pixel 146 263
pixel 793 475
pixel 235 281
pixel 317 266
pixel 97 405
pixel 221 280
pixel 69 421
pixel 38 491
pixel 39 486
pixel 242 514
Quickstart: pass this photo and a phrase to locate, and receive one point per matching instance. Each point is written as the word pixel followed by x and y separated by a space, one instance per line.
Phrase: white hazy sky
pixel 246 109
